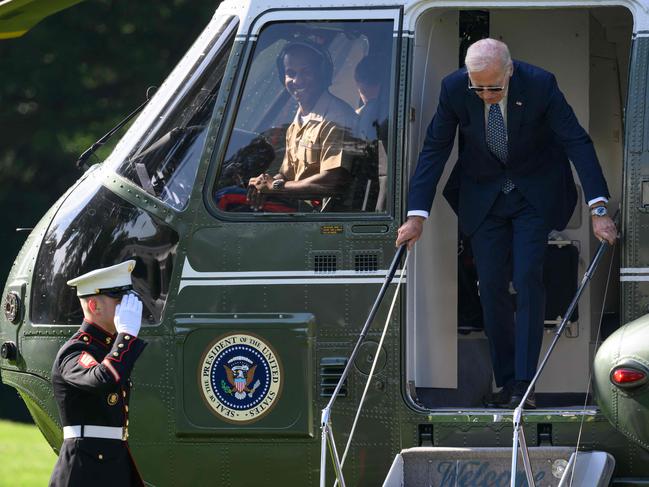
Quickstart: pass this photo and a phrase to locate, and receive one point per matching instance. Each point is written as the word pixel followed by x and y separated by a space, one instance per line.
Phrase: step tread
pixel 480 465
pixel 483 452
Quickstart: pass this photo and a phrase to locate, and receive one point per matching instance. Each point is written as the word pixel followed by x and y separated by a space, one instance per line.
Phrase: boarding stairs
pixel 543 466
pixel 469 467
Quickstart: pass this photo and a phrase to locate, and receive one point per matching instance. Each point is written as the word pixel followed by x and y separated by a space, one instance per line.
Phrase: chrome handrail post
pixel 517 425
pixel 527 465
pixel 324 426
pixel 335 458
pixel 518 412
pixel 327 433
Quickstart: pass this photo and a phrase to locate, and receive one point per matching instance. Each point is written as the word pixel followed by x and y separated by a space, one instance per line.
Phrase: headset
pixel 326 66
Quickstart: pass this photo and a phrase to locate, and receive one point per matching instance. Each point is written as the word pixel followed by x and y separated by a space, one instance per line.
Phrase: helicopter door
pixel 296 264
pixel 588 51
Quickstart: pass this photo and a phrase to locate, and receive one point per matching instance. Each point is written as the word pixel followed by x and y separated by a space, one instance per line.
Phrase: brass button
pixel 126 408
pixel 115 354
pixel 113 399
pixel 123 393
pixel 121 345
pixel 100 456
pixel 127 337
pixel 85 338
pixel 127 423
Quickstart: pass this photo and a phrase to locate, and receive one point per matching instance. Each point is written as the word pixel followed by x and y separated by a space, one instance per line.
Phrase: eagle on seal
pixel 240 378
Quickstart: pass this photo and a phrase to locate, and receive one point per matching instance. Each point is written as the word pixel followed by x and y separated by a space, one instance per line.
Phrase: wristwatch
pixel 599 211
pixel 278 183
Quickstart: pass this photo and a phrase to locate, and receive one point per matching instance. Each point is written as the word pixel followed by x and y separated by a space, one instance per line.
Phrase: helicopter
pixel 252 311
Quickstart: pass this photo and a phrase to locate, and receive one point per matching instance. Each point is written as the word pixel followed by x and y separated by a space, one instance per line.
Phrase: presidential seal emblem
pixel 240 378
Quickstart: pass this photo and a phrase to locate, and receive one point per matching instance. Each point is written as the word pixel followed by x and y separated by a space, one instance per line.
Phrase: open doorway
pixel 588 50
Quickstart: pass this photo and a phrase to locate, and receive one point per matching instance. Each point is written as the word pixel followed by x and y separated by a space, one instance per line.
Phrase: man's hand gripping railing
pixel 519 434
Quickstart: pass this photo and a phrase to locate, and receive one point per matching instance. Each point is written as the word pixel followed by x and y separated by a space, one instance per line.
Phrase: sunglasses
pixel 492 89
pixel 480 89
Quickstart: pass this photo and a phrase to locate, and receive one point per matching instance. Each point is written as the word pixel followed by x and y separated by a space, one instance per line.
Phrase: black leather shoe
pixel 518 391
pixel 499 399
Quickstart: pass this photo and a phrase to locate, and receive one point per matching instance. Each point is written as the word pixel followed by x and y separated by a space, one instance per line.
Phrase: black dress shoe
pixel 499 399
pixel 518 391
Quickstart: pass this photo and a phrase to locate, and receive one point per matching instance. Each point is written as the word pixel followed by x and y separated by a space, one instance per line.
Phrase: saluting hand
pixel 128 315
pixel 410 231
pixel 604 228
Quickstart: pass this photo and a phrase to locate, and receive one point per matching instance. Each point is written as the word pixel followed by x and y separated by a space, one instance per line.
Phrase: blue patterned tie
pixel 497 140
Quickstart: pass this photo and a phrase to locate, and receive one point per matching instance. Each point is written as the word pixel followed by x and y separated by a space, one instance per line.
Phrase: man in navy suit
pixel 514 185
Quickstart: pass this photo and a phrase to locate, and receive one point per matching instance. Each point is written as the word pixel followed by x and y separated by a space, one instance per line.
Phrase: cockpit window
pixel 95 228
pixel 165 162
pixel 311 131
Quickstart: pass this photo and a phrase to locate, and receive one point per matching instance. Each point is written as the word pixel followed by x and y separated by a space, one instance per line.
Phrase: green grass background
pixel 26 460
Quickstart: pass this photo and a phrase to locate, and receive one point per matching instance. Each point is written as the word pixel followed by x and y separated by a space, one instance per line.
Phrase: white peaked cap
pixel 106 279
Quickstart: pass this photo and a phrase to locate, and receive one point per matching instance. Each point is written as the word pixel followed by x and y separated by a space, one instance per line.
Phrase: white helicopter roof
pixel 249 11
pixel 253 14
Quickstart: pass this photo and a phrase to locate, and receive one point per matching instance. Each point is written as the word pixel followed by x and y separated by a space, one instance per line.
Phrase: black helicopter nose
pixel 9 351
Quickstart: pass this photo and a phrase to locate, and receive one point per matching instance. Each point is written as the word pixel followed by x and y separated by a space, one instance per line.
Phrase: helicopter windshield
pixel 95 228
pixel 165 161
pixel 313 121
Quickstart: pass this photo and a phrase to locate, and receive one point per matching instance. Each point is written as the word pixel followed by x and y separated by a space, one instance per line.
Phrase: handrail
pixel 373 368
pixel 519 435
pixel 368 323
pixel 327 431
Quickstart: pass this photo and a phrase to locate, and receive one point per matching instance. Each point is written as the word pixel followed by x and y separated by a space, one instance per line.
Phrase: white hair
pixel 485 53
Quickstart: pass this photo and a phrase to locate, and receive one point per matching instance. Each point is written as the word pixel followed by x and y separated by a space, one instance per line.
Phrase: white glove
pixel 128 315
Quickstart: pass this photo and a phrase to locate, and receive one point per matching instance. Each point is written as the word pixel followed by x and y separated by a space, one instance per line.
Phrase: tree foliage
pixel 63 85
pixel 67 82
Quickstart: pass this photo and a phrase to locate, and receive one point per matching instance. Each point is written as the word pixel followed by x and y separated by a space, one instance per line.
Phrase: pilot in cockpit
pixel 373 125
pixel 320 143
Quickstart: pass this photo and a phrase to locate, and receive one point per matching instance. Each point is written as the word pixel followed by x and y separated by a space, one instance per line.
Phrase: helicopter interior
pixel 448 364
pixel 342 55
pixel 165 162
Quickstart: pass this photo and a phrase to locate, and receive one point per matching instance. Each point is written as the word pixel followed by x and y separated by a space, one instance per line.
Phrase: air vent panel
pixel 366 262
pixel 331 370
pixel 325 263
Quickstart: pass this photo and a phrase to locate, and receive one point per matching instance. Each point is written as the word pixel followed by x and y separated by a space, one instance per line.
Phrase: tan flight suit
pixel 321 140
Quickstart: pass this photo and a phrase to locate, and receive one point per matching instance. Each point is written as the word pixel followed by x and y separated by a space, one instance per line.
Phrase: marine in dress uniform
pixel 91 379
